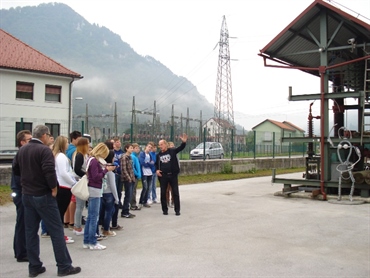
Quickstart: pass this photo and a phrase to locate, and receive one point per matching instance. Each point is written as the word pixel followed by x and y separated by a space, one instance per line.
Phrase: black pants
pixel 63 199
pixel 173 181
pixel 19 243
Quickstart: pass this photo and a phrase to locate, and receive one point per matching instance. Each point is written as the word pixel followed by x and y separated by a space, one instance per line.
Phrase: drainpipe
pixel 322 70
pixel 70 106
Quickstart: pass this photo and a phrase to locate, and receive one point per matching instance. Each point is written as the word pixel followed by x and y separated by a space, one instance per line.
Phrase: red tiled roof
pixel 283 125
pixel 14 54
pixel 294 126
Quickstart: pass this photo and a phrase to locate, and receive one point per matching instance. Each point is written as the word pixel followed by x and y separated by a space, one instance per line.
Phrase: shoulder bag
pixel 80 189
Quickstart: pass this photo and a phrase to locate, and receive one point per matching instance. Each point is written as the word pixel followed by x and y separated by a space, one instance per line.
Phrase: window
pixel 24 90
pixel 21 126
pixel 52 93
pixel 54 129
pixel 267 136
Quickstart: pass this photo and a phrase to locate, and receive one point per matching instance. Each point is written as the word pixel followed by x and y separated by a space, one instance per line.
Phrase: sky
pixel 184 34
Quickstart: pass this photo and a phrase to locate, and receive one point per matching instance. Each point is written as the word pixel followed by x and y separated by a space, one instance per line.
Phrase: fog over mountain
pixel 113 72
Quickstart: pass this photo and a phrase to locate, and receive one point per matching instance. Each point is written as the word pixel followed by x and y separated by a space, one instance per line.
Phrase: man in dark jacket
pixel 35 164
pixel 168 169
pixel 19 242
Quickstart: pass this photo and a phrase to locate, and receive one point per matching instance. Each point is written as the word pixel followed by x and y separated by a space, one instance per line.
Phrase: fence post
pixel 254 144
pixel 204 144
pixel 82 127
pixel 273 144
pixel 232 144
pixel 290 146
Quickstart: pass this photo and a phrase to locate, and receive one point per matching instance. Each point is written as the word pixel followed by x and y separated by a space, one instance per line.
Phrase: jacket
pixel 35 164
pixel 174 162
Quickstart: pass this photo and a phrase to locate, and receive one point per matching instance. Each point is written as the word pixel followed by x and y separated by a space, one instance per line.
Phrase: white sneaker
pixel 150 202
pixel 68 241
pixel 97 247
pixel 78 233
pixel 86 246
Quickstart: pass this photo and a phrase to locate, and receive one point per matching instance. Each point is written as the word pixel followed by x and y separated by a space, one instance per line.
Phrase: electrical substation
pixel 331 42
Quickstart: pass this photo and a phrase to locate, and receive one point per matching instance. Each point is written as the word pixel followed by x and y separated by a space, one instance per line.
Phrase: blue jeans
pixel 146 181
pixel 153 187
pixel 44 207
pixel 19 242
pixel 92 221
pixel 78 213
pixel 119 185
pixel 44 230
pixel 129 186
pixel 106 210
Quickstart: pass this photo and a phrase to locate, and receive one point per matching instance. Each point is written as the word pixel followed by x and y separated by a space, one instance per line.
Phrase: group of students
pixel 108 168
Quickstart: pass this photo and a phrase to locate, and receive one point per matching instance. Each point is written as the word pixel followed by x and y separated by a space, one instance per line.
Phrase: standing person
pixel 79 163
pixel 137 173
pixel 65 177
pixel 153 186
pixel 167 167
pixel 95 174
pixel 109 198
pixel 73 137
pixel 35 164
pixel 118 153
pixel 169 193
pixel 19 241
pixel 128 179
pixel 147 165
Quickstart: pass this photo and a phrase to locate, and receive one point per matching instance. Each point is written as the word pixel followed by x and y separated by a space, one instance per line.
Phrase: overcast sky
pixel 182 34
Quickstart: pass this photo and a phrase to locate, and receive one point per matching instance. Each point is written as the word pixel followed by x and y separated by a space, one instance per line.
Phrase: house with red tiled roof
pixel 34 89
pixel 214 126
pixel 269 133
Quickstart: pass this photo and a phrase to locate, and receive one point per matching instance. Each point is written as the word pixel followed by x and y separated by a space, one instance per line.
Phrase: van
pixel 212 150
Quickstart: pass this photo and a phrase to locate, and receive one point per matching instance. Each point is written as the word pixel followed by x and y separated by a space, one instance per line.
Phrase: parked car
pixel 212 150
pixel 6 156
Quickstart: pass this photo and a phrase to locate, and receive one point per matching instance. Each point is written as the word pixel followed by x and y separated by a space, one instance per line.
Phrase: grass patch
pixel 5 191
pixel 5 196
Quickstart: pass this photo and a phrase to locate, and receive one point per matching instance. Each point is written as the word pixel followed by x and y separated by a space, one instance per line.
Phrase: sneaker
pixel 101 237
pixel 135 208
pixel 72 270
pixel 97 247
pixel 146 205
pixel 45 235
pixel 78 233
pixel 156 201
pixel 150 202
pixel 118 228
pixel 130 215
pixel 165 213
pixel 109 233
pixel 37 272
pixel 86 246
pixel 69 241
pixel 177 213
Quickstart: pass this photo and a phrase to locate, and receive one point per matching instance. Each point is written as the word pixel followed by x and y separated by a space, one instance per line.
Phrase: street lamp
pixel 84 123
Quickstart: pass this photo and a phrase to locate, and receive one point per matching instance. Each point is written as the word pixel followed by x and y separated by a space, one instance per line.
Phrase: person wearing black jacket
pixel 35 164
pixel 167 169
pixel 19 242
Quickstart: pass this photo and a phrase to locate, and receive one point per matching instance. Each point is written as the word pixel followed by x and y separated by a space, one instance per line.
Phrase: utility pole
pixel 115 120
pixel 223 110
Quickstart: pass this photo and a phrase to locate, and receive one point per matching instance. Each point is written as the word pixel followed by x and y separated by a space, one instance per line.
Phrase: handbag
pixel 80 189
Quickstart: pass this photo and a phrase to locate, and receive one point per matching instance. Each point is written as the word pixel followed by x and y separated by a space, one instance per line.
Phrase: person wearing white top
pixel 65 177
pixel 146 163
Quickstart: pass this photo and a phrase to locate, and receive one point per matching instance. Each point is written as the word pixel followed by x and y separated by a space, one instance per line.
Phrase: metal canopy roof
pixel 299 44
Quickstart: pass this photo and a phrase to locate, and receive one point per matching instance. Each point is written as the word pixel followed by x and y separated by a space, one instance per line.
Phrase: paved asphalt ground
pixel 226 229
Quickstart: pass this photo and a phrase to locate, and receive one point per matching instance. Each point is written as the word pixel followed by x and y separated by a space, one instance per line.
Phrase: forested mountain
pixel 112 70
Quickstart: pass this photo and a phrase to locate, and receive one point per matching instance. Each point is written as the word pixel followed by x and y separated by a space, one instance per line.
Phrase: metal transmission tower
pixel 223 110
